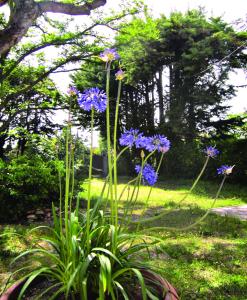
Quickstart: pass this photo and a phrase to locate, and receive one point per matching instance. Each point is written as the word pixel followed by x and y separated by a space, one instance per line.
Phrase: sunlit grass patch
pixel 13 240
pixel 167 194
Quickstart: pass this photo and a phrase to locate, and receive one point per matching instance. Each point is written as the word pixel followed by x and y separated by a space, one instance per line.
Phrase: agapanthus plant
pixel 149 174
pixel 72 91
pixel 225 170
pixel 129 137
pixel 93 98
pixel 157 142
pixel 91 255
pixel 120 75
pixel 109 55
pixel 211 151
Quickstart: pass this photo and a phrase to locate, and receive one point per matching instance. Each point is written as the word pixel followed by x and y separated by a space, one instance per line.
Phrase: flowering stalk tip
pixel 211 151
pixel 93 98
pixel 157 142
pixel 225 170
pixel 109 55
pixel 120 75
pixel 72 91
pixel 129 137
pixel 148 173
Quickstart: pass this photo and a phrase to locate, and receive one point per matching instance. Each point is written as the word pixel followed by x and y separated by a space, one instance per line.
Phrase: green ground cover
pixel 205 262
pixel 168 194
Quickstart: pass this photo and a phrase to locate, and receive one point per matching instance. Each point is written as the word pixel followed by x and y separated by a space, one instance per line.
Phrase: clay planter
pixel 13 292
pixel 162 284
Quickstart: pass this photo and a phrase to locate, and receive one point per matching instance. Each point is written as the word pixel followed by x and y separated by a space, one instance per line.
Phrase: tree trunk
pixel 24 13
pixel 159 81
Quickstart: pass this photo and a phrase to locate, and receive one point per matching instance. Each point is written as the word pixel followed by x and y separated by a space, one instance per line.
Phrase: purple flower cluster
pixel 225 170
pixel 148 173
pixel 129 137
pixel 211 151
pixel 134 137
pixel 109 55
pixel 157 142
pixel 93 98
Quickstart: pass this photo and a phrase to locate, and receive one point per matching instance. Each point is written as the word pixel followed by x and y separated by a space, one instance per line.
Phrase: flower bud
pixel 120 75
pixel 72 91
pixel 109 55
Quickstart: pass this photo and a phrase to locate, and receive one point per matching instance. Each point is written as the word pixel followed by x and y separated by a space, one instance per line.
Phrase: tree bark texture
pixel 24 13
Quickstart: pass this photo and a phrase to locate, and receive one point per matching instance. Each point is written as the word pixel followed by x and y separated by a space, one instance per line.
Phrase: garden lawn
pixel 168 194
pixel 208 261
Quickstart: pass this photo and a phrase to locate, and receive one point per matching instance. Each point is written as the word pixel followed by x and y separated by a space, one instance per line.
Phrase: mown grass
pixel 13 240
pixel 208 261
pixel 169 193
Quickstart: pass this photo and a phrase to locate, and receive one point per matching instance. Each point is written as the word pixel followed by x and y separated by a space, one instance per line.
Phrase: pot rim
pixel 171 294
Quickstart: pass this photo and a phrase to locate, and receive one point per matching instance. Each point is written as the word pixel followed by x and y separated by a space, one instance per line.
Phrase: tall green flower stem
pixel 127 186
pixel 67 178
pixel 198 177
pixel 89 181
pixel 137 186
pixel 183 199
pixel 107 178
pixel 60 187
pixel 108 130
pixel 199 220
pixel 72 175
pixel 115 153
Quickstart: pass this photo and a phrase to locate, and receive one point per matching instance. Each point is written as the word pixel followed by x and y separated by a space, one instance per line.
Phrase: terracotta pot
pixel 162 284
pixel 12 293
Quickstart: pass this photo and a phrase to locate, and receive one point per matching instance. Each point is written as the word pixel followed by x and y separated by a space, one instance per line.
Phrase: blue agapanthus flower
pixel 129 137
pixel 141 142
pixel 93 98
pixel 225 170
pixel 211 151
pixel 109 55
pixel 148 174
pixel 158 142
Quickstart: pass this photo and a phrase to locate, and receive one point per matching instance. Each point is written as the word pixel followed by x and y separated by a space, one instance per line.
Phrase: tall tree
pixel 177 78
pixel 28 113
pixel 27 63
pixel 183 62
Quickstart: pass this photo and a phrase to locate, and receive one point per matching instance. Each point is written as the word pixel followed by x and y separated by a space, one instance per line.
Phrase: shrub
pixel 25 182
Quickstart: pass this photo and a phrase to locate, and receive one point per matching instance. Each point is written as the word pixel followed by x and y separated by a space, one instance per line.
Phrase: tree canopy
pixel 46 45
pixel 178 70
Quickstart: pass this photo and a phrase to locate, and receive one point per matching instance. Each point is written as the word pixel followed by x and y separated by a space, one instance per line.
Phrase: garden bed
pixel 206 262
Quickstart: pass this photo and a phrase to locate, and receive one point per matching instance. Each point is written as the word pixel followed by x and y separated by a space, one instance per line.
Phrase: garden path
pixel 233 211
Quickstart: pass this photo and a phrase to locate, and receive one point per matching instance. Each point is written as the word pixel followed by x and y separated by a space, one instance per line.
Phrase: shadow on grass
pixel 212 225
pixel 194 281
pixel 205 269
pixel 11 245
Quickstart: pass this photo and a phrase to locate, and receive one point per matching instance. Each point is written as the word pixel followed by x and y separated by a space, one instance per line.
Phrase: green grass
pixel 168 193
pixel 15 239
pixel 206 262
